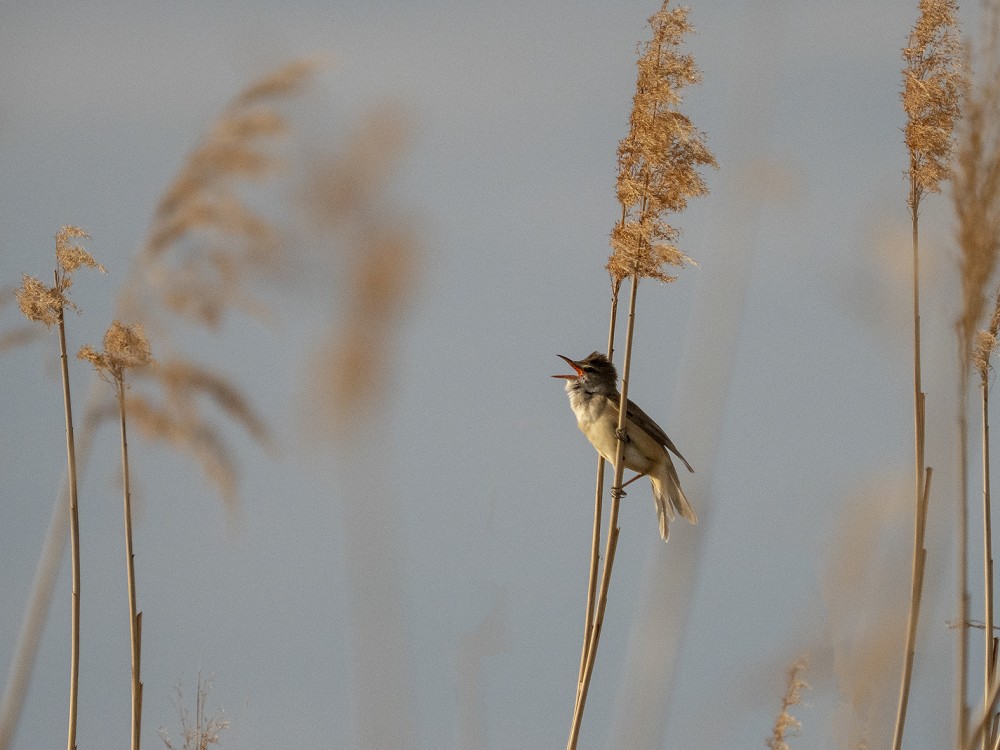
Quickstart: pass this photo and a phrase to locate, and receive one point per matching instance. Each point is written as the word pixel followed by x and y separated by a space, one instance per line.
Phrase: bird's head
pixel 594 374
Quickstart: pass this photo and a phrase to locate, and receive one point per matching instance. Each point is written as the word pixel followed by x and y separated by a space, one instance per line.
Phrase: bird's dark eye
pixel 587 368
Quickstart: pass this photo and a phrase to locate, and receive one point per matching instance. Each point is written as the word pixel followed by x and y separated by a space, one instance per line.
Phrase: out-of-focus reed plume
pixel 976 186
pixel 376 244
pixel 373 245
pixel 201 731
pixel 205 240
pixel 976 198
pixel 864 597
pixel 986 342
pixel 786 725
pixel 204 248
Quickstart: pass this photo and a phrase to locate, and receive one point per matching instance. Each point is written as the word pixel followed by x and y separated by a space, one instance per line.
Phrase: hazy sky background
pixel 780 366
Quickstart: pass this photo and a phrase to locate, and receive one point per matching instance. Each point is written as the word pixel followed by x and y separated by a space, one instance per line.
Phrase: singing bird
pixel 594 398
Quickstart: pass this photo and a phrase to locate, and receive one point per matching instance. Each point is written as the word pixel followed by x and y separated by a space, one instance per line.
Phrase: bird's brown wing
pixel 645 422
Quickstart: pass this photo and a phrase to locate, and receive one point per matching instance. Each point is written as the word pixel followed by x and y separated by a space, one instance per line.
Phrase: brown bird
pixel 594 398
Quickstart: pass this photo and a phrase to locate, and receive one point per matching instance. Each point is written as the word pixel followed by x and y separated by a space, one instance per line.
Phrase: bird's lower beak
pixel 572 364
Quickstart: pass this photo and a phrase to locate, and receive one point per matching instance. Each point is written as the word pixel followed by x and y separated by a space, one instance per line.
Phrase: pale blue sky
pixel 779 366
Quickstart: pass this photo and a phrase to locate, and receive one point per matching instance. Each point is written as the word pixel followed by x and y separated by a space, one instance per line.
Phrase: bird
pixel 594 398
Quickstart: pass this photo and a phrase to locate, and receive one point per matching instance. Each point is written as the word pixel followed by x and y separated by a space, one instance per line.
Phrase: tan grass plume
pixel 658 160
pixel 785 724
pixel 933 80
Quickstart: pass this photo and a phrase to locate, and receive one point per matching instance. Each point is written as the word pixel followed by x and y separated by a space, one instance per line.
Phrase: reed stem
pixel 74 536
pixel 613 530
pixel 135 618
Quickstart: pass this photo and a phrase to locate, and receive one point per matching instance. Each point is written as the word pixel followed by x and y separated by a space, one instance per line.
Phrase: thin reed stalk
pixel 74 536
pixel 135 617
pixel 987 547
pixel 595 550
pixel 916 594
pixel 658 163
pixel 201 200
pixel 125 347
pixel 920 493
pixel 47 305
pixel 613 530
pixel 962 531
pixel 976 195
pixel 986 343
pixel 932 80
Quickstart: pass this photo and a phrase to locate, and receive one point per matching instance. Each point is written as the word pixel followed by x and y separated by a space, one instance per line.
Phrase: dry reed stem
pixel 916 595
pixel 74 513
pixel 39 302
pixel 201 210
pixel 932 81
pixel 986 342
pixel 595 548
pixel 613 530
pixel 658 164
pixel 126 347
pixel 976 196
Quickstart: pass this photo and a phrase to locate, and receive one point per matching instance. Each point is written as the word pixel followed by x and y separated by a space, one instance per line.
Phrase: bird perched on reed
pixel 594 398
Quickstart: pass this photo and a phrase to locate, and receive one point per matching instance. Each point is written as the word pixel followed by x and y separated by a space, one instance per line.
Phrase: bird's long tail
pixel 670 498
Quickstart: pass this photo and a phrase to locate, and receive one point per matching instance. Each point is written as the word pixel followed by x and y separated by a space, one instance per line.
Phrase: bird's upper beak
pixel 572 364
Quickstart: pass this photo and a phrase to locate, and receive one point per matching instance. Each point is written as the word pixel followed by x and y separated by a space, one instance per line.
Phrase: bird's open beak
pixel 572 364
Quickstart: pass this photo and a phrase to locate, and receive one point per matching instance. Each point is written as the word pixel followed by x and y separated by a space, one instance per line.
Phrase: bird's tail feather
pixel 670 499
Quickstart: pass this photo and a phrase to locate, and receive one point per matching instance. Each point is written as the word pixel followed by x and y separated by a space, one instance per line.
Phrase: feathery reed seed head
pixel 933 80
pixel 658 160
pixel 125 347
pixel 39 301
pixel 71 257
pixel 976 188
pixel 786 725
pixel 986 342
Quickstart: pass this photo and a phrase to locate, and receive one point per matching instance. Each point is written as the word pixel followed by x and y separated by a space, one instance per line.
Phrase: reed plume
pixel 932 82
pixel 986 344
pixel 40 302
pixel 976 199
pixel 658 163
pixel 200 731
pixel 204 250
pixel 125 348
pixel 786 725
pixel 374 246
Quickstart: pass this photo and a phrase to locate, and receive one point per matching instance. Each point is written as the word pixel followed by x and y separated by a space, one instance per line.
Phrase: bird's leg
pixel 622 435
pixel 637 476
